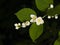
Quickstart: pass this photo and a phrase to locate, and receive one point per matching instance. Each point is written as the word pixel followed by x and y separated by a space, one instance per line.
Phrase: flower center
pixel 38 20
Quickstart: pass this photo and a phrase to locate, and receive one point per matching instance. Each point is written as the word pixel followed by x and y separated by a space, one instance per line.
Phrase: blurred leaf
pixel 24 14
pixel 57 9
pixel 58 36
pixel 43 4
pixel 54 11
pixel 57 42
pixel 35 31
pixel 59 33
pixel 51 12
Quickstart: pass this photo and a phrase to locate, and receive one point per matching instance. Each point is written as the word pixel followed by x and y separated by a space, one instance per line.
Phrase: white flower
pixel 27 23
pixel 17 28
pixel 17 25
pixel 56 17
pixel 51 6
pixel 49 17
pixel 23 25
pixel 33 18
pixel 39 21
pixel 36 19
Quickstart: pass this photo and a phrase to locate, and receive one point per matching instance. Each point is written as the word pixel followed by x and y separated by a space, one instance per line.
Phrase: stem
pixel 44 16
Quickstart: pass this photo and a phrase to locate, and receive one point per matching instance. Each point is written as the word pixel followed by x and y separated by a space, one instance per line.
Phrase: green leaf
pixel 24 14
pixel 59 33
pixel 54 11
pixel 59 36
pixel 43 4
pixel 51 12
pixel 57 42
pixel 35 31
pixel 57 9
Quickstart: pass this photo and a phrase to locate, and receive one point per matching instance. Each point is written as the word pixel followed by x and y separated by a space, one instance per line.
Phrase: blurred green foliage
pixel 24 14
pixel 35 31
pixel 54 11
pixel 57 42
pixel 43 4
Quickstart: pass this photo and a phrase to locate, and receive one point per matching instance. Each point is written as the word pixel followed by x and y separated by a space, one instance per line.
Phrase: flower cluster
pixel 34 19
pixel 56 16
pixel 24 24
pixel 17 25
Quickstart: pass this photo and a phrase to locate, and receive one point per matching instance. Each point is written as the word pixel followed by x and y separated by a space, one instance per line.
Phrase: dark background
pixel 10 36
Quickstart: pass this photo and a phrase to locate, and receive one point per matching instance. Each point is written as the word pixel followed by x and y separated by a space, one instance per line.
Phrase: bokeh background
pixel 10 36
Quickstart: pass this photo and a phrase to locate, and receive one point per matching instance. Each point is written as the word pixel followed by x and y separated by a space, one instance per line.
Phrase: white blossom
pixel 56 17
pixel 17 25
pixel 23 25
pixel 51 6
pixel 49 17
pixel 36 19
pixel 27 23
pixel 33 18
pixel 39 21
pixel 17 28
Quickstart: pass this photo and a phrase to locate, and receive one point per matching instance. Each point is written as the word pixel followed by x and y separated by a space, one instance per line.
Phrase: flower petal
pixel 17 28
pixel 15 24
pixel 33 16
pixel 19 24
pixel 37 23
pixel 32 20
pixel 56 17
